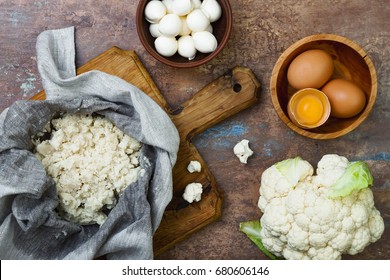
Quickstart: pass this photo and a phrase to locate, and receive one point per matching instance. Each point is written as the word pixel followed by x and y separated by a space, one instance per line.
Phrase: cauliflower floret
pixel 242 151
pixel 277 181
pixel 295 202
pixel 324 253
pixel 193 192
pixel 277 220
pixel 376 225
pixel 297 238
pixel 194 166
pixel 275 245
pixel 361 238
pixel 342 241
pixel 329 169
pixel 292 254
pixel 301 221
pixel 275 185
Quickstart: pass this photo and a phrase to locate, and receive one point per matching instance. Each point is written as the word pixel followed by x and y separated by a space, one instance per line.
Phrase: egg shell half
pixel 309 108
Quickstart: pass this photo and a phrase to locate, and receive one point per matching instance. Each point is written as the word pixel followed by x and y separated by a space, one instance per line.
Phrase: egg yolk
pixel 309 109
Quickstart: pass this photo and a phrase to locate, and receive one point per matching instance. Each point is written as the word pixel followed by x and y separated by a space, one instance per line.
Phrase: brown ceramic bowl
pixel 221 31
pixel 351 63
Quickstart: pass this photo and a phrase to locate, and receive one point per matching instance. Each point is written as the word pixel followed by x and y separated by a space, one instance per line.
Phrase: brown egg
pixel 310 69
pixel 345 97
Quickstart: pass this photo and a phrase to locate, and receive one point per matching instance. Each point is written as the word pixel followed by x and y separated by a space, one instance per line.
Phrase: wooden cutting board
pixel 224 97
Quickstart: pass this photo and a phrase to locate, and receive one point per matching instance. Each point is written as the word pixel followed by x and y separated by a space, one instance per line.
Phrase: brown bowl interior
pixel 221 31
pixel 351 63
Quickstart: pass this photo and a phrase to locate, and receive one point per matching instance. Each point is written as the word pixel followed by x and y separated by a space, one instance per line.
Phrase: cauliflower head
pixel 320 216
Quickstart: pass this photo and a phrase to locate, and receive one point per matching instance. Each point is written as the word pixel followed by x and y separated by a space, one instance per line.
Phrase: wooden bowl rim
pixel 310 39
pixel 225 5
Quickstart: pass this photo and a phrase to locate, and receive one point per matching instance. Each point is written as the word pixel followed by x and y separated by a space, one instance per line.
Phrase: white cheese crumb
pixel 92 162
pixel 193 192
pixel 194 166
pixel 242 151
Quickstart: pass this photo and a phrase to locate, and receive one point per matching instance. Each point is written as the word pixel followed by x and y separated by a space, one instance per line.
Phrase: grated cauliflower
pixel 91 162
pixel 323 216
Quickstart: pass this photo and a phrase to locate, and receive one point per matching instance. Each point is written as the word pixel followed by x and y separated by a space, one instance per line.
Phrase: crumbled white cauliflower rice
pixel 91 161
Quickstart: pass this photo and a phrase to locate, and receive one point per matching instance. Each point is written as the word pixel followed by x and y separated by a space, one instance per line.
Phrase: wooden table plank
pixel 262 30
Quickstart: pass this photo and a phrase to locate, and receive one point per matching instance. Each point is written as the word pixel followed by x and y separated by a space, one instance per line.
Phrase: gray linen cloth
pixel 29 225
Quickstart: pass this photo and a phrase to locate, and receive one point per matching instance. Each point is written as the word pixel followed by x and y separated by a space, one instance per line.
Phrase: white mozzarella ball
pixel 154 11
pixel 185 30
pixel 204 41
pixel 166 46
pixel 154 31
pixel 181 7
pixel 197 20
pixel 209 28
pixel 211 9
pixel 196 4
pixel 186 47
pixel 170 25
pixel 168 6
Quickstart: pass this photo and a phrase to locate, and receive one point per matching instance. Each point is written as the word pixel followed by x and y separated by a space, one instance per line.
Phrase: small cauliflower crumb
pixel 193 192
pixel 194 166
pixel 91 162
pixel 242 151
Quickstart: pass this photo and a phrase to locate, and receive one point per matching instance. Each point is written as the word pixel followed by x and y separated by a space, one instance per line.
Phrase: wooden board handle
pixel 217 101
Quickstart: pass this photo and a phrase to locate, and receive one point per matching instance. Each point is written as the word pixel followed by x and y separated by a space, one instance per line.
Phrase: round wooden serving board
pixel 224 97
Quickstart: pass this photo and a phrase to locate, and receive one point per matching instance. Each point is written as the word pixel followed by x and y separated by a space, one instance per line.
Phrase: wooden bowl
pixel 351 63
pixel 221 31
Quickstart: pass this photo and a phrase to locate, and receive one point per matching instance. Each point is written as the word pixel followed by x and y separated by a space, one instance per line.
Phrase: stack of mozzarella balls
pixel 183 26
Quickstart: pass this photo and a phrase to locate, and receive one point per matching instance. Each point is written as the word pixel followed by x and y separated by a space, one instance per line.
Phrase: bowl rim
pixel 323 37
pixel 189 64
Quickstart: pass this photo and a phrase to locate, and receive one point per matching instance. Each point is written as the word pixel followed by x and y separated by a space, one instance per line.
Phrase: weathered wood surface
pixel 262 30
